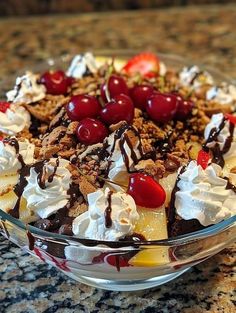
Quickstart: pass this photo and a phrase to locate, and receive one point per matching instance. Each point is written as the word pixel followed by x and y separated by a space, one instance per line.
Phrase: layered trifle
pixel 118 151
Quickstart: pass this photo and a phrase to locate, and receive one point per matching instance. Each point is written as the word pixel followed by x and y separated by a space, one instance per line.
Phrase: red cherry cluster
pixel 161 107
pixel 93 118
pixel 118 105
pixel 56 82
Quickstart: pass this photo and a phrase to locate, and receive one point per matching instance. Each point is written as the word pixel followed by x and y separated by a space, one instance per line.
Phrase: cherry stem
pixel 162 83
pixel 103 179
pixel 112 182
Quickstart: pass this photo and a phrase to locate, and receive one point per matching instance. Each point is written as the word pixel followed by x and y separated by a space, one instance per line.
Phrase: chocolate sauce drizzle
pixel 171 209
pixel 230 185
pixel 14 143
pixel 31 240
pixel 124 138
pixel 108 210
pixel 218 157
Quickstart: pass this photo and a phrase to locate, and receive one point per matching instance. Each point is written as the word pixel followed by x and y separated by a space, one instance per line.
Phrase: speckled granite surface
pixel 205 34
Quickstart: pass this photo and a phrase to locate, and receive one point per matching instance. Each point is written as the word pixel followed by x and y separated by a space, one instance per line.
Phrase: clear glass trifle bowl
pixel 106 264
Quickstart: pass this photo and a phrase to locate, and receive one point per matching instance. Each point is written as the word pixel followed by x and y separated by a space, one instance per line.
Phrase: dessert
pixel 124 151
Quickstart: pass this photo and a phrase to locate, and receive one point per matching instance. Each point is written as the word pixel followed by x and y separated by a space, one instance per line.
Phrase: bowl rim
pixel 171 241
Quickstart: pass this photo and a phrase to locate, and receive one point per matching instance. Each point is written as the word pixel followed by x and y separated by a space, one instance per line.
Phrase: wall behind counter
pixel 31 7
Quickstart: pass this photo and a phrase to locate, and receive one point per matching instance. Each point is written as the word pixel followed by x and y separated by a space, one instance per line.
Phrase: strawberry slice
pixel 4 106
pixel 203 158
pixel 231 118
pixel 147 64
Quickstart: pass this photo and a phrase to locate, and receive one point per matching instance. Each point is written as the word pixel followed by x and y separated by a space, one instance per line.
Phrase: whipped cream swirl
pixel 14 120
pixel 125 151
pixel 225 94
pixel 204 195
pixel 81 65
pixel 27 89
pixel 47 187
pixel 225 135
pixel 12 153
pixel 110 216
pixel 194 77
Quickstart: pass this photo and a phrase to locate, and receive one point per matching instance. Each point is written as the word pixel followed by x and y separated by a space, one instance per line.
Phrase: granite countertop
pixel 206 34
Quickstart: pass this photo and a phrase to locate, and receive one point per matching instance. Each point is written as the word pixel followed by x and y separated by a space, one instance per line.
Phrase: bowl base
pixel 126 285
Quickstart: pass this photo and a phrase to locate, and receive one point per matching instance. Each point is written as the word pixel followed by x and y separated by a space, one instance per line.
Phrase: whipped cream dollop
pixel 194 77
pixel 27 89
pixel 204 195
pixel 12 153
pixel 81 65
pixel 123 151
pixel 47 188
pixel 14 120
pixel 110 216
pixel 223 128
pixel 225 94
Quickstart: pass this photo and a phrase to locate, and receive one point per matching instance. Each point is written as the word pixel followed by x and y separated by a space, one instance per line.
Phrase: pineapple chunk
pixel 168 184
pixel 7 183
pixel 152 225
pixel 26 215
pixel 230 165
pixel 193 149
pixel 8 201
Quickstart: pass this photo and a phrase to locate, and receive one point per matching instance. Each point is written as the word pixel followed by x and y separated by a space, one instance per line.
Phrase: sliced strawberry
pixel 203 158
pixel 4 106
pixel 231 118
pixel 147 64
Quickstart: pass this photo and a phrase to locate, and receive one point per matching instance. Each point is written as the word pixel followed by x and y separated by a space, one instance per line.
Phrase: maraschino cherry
pixel 203 158
pixel 120 108
pixel 145 191
pixel 4 106
pixel 231 118
pixel 82 106
pixel 139 94
pixel 91 131
pixel 184 108
pixel 116 85
pixel 56 82
pixel 162 107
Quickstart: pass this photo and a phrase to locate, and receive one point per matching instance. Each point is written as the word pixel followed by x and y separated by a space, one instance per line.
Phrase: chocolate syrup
pixel 31 240
pixel 14 143
pixel 230 185
pixel 19 188
pixel 50 177
pixel 108 210
pixel 134 237
pixel 218 157
pixel 195 76
pixel 171 209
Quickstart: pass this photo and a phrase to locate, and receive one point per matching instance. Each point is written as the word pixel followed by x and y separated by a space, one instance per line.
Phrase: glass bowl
pixel 103 264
